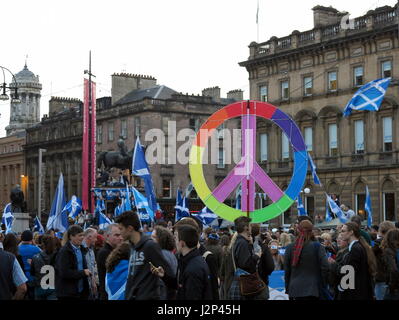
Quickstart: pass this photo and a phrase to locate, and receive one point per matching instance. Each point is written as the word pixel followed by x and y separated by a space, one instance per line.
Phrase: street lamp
pixel 3 86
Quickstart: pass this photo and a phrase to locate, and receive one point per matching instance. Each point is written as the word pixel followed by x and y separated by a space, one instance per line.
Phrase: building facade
pixel 311 76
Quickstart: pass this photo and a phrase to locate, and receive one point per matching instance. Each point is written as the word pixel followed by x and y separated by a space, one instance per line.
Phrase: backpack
pixel 206 254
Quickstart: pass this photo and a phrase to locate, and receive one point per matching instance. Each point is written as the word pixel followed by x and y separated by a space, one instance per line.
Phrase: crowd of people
pixel 187 261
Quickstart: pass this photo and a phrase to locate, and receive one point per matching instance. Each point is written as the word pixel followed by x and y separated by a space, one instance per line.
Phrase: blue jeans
pixel 380 290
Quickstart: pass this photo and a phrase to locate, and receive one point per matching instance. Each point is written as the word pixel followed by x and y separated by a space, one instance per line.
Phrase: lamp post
pixel 4 87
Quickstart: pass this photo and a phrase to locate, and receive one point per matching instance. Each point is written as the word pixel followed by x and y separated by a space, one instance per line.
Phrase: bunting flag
pixel 300 207
pixel 57 219
pixel 313 170
pixel 38 227
pixel 181 209
pixel 8 218
pixel 336 210
pixel 73 207
pixel 367 207
pixel 143 209
pixel 140 168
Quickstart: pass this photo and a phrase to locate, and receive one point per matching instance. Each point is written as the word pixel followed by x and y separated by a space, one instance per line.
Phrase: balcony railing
pixel 384 18
pixel 307 37
pixel 331 31
pixel 284 43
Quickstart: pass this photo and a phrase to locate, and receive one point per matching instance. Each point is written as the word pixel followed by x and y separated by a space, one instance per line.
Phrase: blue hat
pixel 214 236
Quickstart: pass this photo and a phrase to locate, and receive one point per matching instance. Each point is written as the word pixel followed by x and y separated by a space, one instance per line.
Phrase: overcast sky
pixel 188 45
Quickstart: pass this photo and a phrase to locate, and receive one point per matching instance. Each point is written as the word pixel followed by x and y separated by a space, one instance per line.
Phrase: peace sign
pixel 248 172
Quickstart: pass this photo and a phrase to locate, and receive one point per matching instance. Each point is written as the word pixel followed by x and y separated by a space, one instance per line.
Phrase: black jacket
pixel 266 264
pixel 212 262
pixel 244 255
pixel 67 275
pixel 101 259
pixel 194 277
pixel 141 283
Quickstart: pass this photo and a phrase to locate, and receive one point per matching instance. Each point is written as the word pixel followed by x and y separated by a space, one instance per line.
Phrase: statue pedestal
pixel 21 222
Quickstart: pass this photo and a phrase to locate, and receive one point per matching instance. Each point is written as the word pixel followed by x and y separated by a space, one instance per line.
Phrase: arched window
pixel 360 199
pixel 388 200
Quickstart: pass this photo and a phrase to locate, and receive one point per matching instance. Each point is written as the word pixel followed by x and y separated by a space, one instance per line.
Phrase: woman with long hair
pixel 362 259
pixel 306 265
pixel 390 247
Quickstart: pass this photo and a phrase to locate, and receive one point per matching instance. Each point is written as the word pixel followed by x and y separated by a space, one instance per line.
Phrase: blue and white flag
pixel 143 209
pixel 73 207
pixel 367 207
pixel 127 205
pixel 238 198
pixel 300 207
pixel 103 221
pixel 140 168
pixel 368 97
pixel 336 210
pixel 38 227
pixel 181 209
pixel 57 219
pixel 8 218
pixel 119 209
pixel 206 216
pixel 328 214
pixel 313 170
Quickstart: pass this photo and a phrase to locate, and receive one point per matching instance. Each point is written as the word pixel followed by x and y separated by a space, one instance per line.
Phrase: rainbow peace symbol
pixel 247 172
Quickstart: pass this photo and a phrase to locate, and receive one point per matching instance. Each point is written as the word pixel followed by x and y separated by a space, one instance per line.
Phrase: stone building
pixel 311 75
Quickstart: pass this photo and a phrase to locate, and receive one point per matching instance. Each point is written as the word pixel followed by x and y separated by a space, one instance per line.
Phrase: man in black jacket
pixel 113 238
pixel 71 281
pixel 146 254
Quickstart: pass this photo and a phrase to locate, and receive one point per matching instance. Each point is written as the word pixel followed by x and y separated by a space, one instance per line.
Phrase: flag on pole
pixel 73 207
pixel 140 168
pixel 8 218
pixel 189 188
pixel 328 214
pixel 206 216
pixel 368 97
pixel 336 210
pixel 103 221
pixel 57 219
pixel 367 207
pixel 127 203
pixel 300 207
pixel 38 226
pixel 257 13
pixel 143 208
pixel 119 209
pixel 181 209
pixel 314 173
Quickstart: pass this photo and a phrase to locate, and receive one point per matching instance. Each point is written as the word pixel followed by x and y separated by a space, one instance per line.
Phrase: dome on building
pixel 26 75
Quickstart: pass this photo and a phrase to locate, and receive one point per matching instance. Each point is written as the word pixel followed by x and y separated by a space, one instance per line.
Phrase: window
pixel 137 127
pixel 221 164
pixel 332 81
pixel 387 130
pixel 309 138
pixel 263 93
pixel 110 131
pixel 124 129
pixel 359 136
pixel 285 94
pixel 99 134
pixel 332 140
pixel 358 75
pixel 263 147
pixel 308 86
pixel 389 206
pixel 285 151
pixel 360 202
pixel 166 188
pixel 310 206
pixel 386 69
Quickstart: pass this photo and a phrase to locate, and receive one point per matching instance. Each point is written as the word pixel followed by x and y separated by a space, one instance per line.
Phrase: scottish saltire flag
pixel 38 226
pixel 100 205
pixel 367 207
pixel 368 97
pixel 7 218
pixel 73 207
pixel 140 168
pixel 328 214
pixel 313 170
pixel 206 216
pixel 300 207
pixel 57 219
pixel 189 188
pixel 336 210
pixel 143 209
pixel 103 221
pixel 119 209
pixel 115 282
pixel 127 203
pixel 181 209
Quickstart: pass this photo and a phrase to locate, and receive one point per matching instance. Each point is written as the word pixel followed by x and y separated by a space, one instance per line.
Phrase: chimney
pixel 212 92
pixel 326 16
pixel 58 104
pixel 124 83
pixel 237 95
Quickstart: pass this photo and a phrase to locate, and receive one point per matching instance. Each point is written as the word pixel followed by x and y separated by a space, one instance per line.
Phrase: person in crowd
pixel 381 278
pixel 285 240
pixel 358 220
pixel 193 279
pixel 10 244
pixel 117 265
pixel 326 241
pixel 212 244
pixel 170 226
pixel 45 258
pixel 100 241
pixel 278 259
pixel 145 255
pixel 374 233
pixel 390 246
pixel 37 239
pixel 337 263
pixel 72 273
pixel 89 241
pixel 255 234
pixel 348 213
pixel 27 250
pixel 12 278
pixel 226 271
pixel 362 259
pixel 265 264
pixel 113 238
pixel 166 241
pixel 306 265
pixel 244 259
